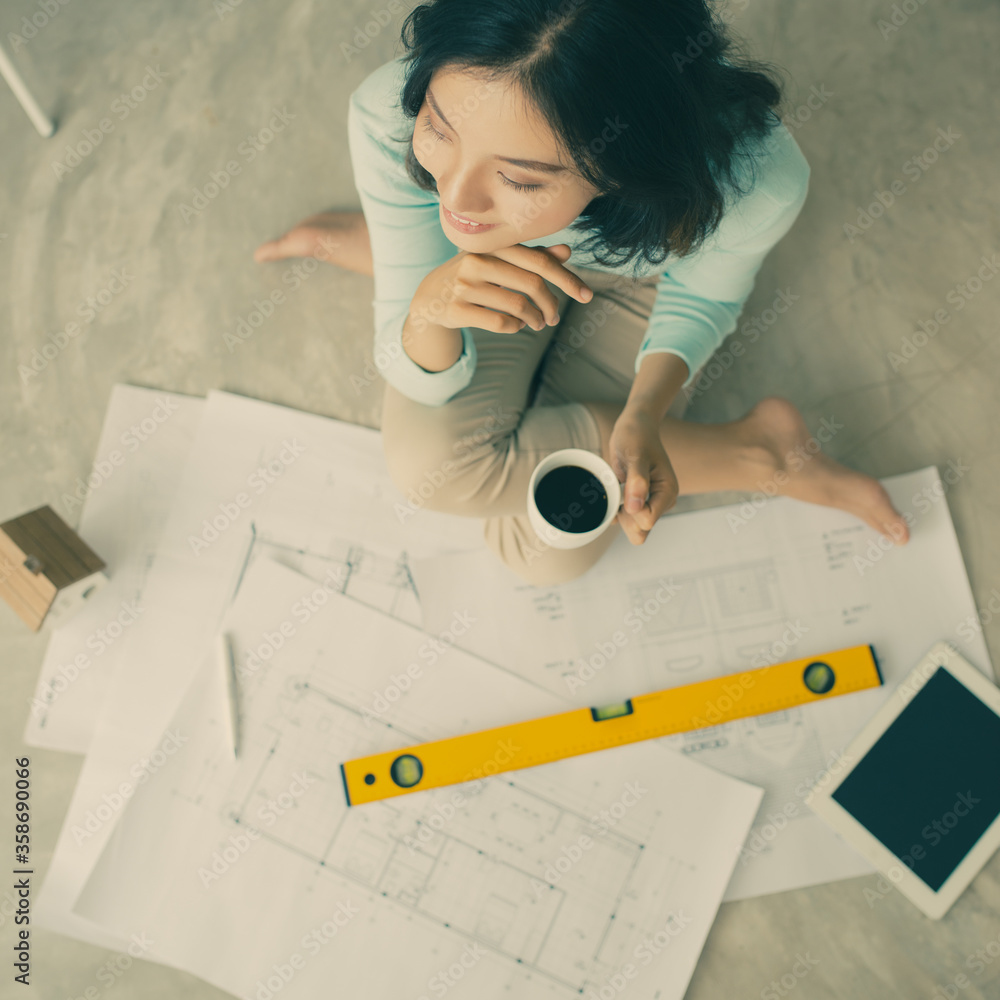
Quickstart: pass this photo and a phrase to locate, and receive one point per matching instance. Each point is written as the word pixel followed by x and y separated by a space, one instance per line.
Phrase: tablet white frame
pixel 935 904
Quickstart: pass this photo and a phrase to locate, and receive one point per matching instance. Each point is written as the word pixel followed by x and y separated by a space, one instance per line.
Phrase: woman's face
pixel 468 136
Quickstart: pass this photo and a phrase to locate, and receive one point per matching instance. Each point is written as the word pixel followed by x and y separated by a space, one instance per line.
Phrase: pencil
pixel 228 663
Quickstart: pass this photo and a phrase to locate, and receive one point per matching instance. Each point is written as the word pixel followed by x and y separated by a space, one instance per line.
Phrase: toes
pixel 271 250
pixel 893 523
pixel 326 245
pixel 897 530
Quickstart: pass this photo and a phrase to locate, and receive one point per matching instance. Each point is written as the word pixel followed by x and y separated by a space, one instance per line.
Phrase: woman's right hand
pixel 502 290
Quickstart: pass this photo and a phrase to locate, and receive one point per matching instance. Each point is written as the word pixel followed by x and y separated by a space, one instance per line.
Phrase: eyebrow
pixel 548 168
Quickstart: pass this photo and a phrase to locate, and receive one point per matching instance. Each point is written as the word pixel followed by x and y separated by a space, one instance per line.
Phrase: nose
pixel 463 193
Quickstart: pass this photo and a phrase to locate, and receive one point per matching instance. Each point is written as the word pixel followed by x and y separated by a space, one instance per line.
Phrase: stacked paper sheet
pixel 283 529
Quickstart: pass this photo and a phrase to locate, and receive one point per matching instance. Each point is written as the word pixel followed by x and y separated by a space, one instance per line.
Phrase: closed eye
pixel 429 127
pixel 519 187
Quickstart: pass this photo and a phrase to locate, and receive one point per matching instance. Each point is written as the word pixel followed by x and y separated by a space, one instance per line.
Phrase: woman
pixel 615 132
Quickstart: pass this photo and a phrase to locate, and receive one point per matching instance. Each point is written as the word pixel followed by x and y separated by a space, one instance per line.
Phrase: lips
pixel 464 225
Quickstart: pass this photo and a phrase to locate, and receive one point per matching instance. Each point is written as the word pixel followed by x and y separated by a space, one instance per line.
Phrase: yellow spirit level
pixel 583 730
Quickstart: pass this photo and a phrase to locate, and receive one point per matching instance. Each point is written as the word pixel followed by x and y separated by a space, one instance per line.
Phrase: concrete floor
pixel 879 100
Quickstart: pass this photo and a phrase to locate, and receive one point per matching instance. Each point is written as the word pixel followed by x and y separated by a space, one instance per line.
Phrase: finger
pixel 560 251
pixel 468 314
pixel 633 532
pixel 663 490
pixel 536 259
pixel 662 497
pixel 636 491
pixel 506 301
pixel 514 282
pixel 644 518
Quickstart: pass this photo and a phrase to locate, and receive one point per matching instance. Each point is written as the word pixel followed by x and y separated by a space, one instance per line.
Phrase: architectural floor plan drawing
pixel 490 873
pixel 558 877
pixel 316 487
pixel 346 566
pixel 726 615
pixel 698 600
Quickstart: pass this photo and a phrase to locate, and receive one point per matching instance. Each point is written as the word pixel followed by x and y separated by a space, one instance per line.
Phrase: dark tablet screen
pixel 930 787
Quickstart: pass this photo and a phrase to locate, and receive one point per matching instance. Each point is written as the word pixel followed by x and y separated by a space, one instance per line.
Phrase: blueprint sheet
pixel 260 479
pixel 144 446
pixel 513 886
pixel 720 591
pixel 122 505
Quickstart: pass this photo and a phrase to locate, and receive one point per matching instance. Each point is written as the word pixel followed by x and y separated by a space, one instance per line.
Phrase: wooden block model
pixel 46 568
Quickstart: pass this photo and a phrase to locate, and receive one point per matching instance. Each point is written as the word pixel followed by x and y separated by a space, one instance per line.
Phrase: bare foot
pixel 803 472
pixel 339 238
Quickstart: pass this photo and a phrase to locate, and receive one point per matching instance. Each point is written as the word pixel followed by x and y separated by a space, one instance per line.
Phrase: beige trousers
pixel 474 455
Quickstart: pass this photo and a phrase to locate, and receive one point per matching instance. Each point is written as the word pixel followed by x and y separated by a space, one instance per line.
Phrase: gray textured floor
pixel 883 100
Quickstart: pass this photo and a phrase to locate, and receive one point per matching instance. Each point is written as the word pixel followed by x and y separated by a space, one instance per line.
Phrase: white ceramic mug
pixel 549 532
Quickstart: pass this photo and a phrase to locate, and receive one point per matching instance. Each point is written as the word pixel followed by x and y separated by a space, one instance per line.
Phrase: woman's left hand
pixel 640 461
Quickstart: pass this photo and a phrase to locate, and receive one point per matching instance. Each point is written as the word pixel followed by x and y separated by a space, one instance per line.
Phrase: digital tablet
pixel 919 793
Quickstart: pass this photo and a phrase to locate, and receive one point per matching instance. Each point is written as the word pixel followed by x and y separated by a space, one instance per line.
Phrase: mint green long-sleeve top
pixel 698 297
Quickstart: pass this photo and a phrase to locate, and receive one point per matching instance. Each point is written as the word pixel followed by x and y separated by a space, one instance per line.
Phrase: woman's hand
pixel 640 461
pixel 502 291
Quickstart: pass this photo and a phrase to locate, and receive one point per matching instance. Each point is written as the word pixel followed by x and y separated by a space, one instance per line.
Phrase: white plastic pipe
pixel 39 118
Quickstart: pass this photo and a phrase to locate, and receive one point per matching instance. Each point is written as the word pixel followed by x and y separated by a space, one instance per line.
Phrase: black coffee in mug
pixel 571 498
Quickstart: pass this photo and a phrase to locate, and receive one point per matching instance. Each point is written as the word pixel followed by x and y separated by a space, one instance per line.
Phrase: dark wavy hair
pixel 690 116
